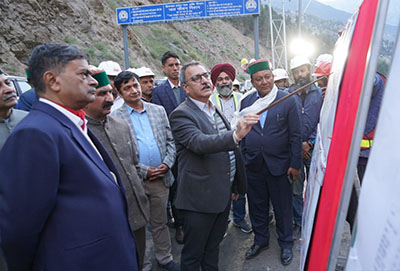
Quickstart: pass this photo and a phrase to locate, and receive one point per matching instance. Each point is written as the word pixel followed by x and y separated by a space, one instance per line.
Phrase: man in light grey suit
pixel 151 134
pixel 211 169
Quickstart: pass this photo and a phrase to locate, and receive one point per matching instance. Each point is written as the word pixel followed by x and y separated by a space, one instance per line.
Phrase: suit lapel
pixel 170 93
pixel 183 93
pixel 270 115
pixel 202 115
pixel 252 99
pixel 77 135
pixel 156 127
pixel 123 113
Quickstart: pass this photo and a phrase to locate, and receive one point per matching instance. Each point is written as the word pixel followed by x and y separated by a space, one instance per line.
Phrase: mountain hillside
pixel 91 24
pixel 315 8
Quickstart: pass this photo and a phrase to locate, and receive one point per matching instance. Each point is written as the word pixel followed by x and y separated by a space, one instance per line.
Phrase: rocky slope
pixel 91 24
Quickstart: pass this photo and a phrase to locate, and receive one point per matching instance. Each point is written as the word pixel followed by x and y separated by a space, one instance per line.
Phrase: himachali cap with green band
pixel 257 66
pixel 101 77
pixel 28 75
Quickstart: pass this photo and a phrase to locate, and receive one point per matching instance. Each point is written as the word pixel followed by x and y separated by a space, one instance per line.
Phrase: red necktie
pixel 80 113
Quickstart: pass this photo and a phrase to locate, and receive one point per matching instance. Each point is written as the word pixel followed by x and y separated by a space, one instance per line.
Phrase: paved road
pixel 236 243
pixel 233 249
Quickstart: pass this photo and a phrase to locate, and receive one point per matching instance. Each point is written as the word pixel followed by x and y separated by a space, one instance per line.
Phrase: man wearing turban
pixel 227 101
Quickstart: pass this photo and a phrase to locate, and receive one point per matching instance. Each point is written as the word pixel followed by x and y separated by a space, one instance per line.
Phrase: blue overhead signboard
pixel 181 11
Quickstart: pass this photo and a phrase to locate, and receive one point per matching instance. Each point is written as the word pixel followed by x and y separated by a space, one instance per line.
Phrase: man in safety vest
pixel 227 101
pixel 366 142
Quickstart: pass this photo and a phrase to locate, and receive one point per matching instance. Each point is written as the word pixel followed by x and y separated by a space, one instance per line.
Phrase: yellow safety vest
pixel 235 100
pixel 366 143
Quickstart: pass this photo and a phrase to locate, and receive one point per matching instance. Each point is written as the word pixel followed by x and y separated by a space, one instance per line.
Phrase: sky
pixel 346 5
pixel 350 5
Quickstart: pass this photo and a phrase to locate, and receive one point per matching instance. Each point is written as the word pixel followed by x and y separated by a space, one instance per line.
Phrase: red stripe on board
pixel 341 137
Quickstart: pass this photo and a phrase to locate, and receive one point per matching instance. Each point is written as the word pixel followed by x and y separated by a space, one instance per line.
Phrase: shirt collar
pixel 96 122
pixel 74 118
pixel 207 108
pixel 7 119
pixel 131 109
pixel 172 85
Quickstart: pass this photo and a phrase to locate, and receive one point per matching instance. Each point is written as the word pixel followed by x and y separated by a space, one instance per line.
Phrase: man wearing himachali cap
pixel 272 154
pixel 114 135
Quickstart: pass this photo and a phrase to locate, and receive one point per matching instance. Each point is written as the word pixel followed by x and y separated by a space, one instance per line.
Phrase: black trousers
pixel 353 204
pixel 263 186
pixel 172 195
pixel 203 234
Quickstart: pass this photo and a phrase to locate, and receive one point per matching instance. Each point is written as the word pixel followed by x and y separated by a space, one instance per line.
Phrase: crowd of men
pixel 103 154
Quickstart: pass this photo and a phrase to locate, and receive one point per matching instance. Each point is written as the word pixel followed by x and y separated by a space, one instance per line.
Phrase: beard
pixel 225 90
pixel 301 81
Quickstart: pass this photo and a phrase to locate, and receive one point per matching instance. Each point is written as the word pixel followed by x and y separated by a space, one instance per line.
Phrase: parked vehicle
pixel 20 84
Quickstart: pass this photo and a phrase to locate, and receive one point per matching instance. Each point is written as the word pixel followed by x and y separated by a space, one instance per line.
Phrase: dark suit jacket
pixel 278 144
pixel 203 161
pixel 27 99
pixel 60 207
pixel 164 95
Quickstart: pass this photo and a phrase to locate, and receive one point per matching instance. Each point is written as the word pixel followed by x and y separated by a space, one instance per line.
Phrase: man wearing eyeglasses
pixel 211 170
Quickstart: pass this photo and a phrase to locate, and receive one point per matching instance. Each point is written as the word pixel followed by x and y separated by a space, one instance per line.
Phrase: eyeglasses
pixel 197 78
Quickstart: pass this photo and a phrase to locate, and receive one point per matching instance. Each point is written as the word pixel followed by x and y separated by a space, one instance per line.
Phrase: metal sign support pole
pixel 256 36
pixel 126 49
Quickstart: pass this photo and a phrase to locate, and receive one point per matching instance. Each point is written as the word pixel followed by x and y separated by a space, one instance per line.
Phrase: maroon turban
pixel 224 67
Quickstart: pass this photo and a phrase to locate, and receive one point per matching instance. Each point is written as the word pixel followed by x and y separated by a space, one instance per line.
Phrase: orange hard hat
pixel 323 69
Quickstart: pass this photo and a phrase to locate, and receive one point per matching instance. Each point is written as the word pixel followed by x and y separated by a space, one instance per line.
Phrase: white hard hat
pixel 110 67
pixel 236 83
pixel 298 61
pixel 143 71
pixel 323 58
pixel 280 74
pixel 131 70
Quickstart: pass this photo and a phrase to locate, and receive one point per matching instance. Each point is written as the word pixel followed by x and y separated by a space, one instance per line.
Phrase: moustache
pixel 107 104
pixel 205 85
pixel 9 96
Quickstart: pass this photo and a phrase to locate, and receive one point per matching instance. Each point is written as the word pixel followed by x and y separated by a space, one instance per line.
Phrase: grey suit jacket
pixel 6 127
pixel 203 161
pixel 115 136
pixel 162 133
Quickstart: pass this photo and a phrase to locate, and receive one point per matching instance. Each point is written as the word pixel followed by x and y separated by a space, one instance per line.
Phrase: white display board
pixel 377 239
pixel 323 140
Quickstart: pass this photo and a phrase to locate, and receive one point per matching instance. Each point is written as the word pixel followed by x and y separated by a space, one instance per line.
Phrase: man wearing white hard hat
pixel 281 79
pixel 146 81
pixel 236 85
pixel 311 102
pixel 112 69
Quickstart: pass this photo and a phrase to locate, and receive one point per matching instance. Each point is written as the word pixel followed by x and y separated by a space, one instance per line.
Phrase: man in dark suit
pixel 169 95
pixel 272 152
pixel 210 168
pixel 62 204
